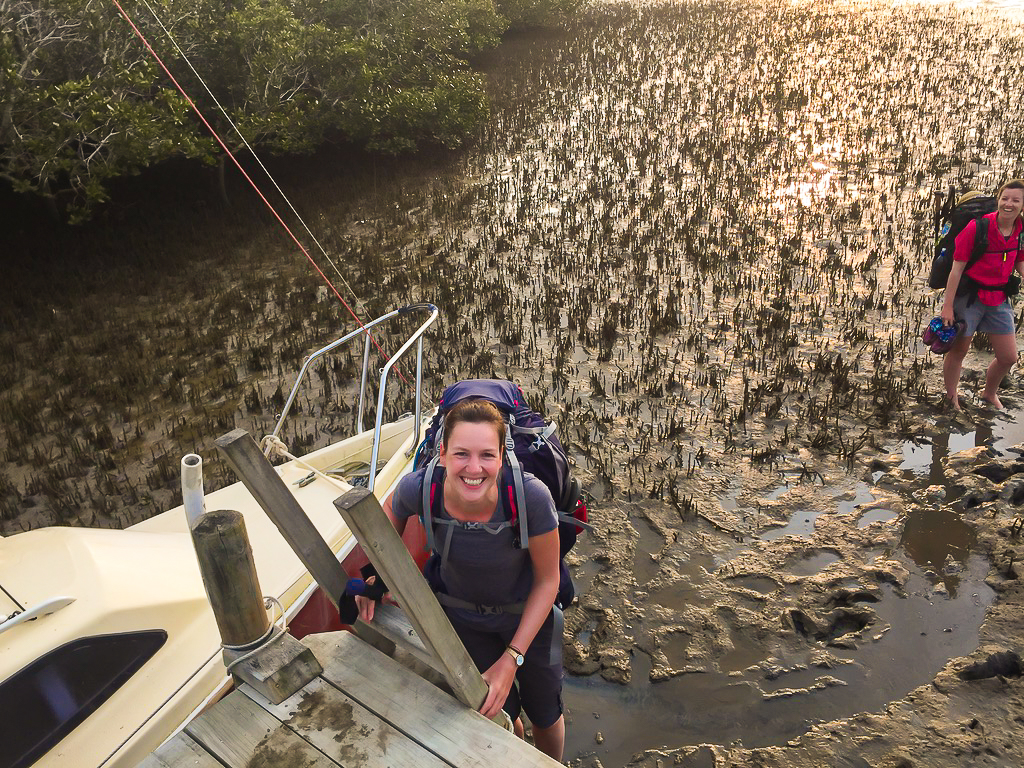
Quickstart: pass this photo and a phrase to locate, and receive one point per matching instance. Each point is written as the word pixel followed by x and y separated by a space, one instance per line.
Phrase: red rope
pixel 238 165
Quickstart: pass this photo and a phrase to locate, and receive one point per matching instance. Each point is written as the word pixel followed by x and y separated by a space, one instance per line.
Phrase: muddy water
pixel 757 694
pixel 696 233
pixel 722 709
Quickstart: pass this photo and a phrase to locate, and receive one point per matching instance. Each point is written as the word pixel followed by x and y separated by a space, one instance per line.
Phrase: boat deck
pixel 364 711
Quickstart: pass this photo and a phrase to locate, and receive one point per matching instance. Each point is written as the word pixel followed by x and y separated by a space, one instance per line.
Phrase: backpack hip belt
pixel 485 610
pixel 554 653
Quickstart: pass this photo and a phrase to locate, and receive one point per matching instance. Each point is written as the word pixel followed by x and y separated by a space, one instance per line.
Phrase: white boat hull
pixel 146 578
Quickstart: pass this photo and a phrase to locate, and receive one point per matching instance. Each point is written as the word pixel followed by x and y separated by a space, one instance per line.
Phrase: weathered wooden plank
pixel 452 731
pixel 387 552
pixel 391 624
pixel 267 487
pixel 241 734
pixel 344 730
pixel 180 752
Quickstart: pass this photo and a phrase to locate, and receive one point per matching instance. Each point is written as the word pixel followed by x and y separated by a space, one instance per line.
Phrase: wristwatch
pixel 516 654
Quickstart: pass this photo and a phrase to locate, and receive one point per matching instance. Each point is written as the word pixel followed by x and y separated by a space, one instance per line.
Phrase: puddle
pixel 922 460
pixel 876 515
pixel 812 564
pixel 649 543
pixel 744 654
pixel 931 537
pixel 717 708
pixel 935 537
pixel 674 646
pixel 680 595
pixel 759 584
pixel 802 522
pixel 584 573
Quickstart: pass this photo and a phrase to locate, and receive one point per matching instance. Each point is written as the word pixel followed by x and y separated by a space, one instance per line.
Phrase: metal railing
pixel 416 336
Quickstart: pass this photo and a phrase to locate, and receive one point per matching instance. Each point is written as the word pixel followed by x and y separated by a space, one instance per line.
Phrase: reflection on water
pixel 932 536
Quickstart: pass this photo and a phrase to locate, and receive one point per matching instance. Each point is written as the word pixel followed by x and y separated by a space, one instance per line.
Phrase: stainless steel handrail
pixel 416 336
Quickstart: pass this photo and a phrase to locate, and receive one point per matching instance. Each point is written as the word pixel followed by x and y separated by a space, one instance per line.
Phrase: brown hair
pixel 1011 184
pixel 475 412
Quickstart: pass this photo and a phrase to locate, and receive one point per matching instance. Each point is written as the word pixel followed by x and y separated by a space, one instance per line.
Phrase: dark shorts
pixel 538 687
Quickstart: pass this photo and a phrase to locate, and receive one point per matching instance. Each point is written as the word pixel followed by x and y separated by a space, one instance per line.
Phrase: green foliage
pixel 536 13
pixel 79 107
pixel 84 102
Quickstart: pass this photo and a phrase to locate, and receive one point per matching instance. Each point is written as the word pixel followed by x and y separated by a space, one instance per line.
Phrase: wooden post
pixel 267 487
pixel 384 547
pixel 281 665
pixel 229 575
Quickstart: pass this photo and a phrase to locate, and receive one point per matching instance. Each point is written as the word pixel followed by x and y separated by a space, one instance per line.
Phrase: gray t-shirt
pixel 483 567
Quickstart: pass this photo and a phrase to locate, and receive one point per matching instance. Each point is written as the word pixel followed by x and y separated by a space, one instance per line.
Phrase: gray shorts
pixel 980 317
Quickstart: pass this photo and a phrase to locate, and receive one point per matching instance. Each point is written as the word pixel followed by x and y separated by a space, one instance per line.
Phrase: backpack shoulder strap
pixel 980 241
pixel 428 489
pixel 516 470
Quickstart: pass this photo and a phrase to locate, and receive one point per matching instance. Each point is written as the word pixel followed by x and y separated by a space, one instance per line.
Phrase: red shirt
pixel 996 264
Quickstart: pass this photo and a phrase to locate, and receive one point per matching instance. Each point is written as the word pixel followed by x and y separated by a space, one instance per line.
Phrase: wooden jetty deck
pixel 365 710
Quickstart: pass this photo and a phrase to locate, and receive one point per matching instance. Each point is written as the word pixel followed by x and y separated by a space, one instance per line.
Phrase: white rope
pixel 273 634
pixel 272 445
pixel 231 122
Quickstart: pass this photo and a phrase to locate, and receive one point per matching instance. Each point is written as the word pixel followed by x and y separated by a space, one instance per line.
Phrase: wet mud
pixel 697 234
pixel 890 622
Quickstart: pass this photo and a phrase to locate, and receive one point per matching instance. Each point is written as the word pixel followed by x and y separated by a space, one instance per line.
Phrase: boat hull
pixel 146 578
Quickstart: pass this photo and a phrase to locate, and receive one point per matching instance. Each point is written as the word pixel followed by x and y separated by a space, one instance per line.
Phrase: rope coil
pixel 273 634
pixel 273 446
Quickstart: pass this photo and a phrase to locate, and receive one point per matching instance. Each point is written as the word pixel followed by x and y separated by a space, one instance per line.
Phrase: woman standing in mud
pixel 513 642
pixel 969 296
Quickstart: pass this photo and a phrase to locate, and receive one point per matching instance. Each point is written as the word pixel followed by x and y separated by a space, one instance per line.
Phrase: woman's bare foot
pixel 993 401
pixel 951 403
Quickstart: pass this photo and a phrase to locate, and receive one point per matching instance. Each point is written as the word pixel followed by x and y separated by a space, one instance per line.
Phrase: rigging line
pixel 9 595
pixel 238 165
pixel 252 151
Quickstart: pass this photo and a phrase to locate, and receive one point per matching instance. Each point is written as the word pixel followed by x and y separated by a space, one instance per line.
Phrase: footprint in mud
pixel 876 515
pixel 812 564
pixel 834 627
pixel 760 584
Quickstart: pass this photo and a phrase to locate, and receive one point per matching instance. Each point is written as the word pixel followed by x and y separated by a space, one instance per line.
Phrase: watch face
pixel 519 660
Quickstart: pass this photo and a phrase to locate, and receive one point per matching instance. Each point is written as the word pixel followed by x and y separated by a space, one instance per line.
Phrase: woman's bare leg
pixel 551 740
pixel 1005 347
pixel 952 365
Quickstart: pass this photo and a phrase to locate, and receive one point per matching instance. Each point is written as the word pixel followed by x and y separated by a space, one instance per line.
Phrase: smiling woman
pixel 498 592
pixel 980 293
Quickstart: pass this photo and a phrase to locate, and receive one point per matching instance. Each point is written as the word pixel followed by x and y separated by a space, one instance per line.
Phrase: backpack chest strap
pixel 431 487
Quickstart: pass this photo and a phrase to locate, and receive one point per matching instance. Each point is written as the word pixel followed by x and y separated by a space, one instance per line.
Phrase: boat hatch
pixel 46 700
pixel 416 336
